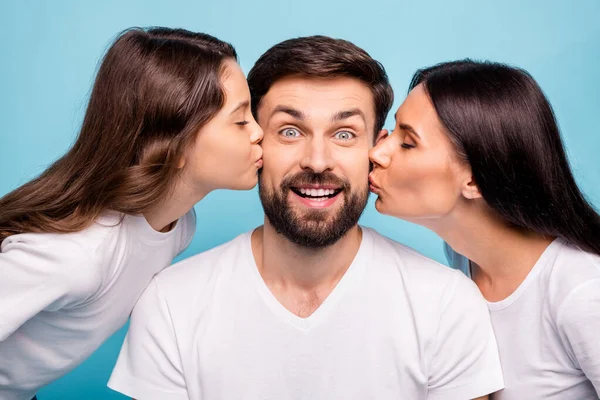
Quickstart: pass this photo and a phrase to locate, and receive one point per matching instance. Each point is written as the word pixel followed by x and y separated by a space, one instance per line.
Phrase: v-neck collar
pixel 353 274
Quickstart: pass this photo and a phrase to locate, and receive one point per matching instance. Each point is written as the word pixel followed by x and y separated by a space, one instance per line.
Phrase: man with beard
pixel 311 305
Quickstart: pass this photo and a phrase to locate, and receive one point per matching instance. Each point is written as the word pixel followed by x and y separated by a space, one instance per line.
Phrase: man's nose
pixel 317 155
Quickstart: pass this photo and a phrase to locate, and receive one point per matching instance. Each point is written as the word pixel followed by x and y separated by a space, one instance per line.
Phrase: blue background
pixel 50 51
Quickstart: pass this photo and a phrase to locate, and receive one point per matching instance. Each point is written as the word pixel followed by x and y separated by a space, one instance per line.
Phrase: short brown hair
pixel 321 57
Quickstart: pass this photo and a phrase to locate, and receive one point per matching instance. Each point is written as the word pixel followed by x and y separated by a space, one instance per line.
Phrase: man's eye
pixel 290 133
pixel 344 135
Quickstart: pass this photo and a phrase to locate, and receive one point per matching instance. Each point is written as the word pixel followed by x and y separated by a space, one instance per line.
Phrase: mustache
pixel 311 178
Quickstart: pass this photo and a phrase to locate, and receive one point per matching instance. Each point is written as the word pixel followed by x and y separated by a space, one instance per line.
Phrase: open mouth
pixel 320 194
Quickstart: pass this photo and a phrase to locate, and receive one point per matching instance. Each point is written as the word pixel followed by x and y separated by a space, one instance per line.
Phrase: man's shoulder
pixel 431 286
pixel 405 258
pixel 199 269
pixel 421 276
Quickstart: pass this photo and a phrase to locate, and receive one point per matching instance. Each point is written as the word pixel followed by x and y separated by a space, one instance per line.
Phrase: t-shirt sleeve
pixel 578 322
pixel 465 364
pixel 149 366
pixel 33 278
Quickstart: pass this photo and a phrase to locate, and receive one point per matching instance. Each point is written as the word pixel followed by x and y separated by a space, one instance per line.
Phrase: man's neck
pixel 301 278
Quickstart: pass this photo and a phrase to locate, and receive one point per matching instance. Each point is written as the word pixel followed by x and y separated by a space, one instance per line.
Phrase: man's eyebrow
pixel 243 104
pixel 342 115
pixel 297 114
pixel 408 128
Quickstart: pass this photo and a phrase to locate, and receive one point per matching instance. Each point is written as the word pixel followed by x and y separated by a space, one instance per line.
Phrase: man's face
pixel 317 136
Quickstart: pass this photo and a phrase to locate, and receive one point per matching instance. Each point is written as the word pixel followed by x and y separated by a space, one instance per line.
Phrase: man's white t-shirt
pixel 548 330
pixel 397 326
pixel 62 295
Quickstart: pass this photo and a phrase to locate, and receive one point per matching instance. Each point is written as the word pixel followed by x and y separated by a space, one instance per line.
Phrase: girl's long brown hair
pixel 154 90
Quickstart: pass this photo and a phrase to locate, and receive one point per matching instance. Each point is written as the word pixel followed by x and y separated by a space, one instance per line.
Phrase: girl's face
pixel 226 153
pixel 417 174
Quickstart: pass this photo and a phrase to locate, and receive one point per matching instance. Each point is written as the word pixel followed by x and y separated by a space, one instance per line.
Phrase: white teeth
pixel 318 194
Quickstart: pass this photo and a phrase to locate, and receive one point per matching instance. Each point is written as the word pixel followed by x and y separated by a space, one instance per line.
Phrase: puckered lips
pixel 373 186
pixel 316 195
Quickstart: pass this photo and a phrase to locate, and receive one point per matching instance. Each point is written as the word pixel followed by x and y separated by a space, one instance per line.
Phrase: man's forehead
pixel 319 97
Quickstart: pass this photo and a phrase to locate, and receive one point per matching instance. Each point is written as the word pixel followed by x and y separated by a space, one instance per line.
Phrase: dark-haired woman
pixel 476 156
pixel 168 121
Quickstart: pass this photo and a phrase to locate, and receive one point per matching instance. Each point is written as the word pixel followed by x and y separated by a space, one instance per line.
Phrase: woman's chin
pixel 381 206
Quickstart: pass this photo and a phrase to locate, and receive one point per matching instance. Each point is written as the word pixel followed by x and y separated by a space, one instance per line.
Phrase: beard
pixel 314 228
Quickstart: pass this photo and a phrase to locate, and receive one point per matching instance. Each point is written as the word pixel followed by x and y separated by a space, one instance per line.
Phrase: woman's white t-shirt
pixel 62 295
pixel 548 330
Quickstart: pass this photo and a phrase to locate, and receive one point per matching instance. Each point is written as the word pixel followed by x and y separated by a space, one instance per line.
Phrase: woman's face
pixel 416 173
pixel 226 153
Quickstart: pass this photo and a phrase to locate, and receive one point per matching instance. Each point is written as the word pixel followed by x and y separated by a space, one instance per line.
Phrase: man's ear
pixel 381 135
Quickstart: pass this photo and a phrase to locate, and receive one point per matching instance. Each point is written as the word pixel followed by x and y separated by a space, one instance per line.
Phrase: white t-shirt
pixel 397 326
pixel 62 295
pixel 548 330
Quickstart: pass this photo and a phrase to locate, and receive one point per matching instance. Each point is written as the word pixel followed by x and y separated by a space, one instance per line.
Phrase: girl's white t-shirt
pixel 548 330
pixel 62 295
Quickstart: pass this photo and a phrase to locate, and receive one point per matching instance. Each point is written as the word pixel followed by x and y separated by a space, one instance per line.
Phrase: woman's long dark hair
pixel 502 125
pixel 153 92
